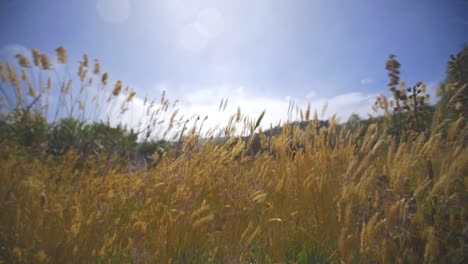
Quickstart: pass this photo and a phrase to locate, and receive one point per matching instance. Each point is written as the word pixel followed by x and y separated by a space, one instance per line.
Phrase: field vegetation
pixel 76 186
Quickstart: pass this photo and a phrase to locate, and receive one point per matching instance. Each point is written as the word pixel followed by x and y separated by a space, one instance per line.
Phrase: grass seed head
pixel 61 55
pixel 45 62
pixel 23 60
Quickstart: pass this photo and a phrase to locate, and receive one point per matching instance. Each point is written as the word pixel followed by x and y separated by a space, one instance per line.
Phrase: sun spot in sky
pixel 114 11
pixel 212 21
pixel 193 37
pixel 208 24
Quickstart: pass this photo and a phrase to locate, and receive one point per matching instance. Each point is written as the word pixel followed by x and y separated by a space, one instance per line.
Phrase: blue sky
pixel 259 53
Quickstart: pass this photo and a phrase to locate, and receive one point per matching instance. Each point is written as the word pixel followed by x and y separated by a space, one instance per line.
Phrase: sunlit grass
pixel 322 194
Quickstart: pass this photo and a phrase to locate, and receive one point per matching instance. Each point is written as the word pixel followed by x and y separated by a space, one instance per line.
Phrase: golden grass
pixel 339 198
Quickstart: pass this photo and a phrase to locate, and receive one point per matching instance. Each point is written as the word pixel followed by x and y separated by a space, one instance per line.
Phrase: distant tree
pixel 28 130
pixel 353 121
pixel 65 134
pixel 455 92
pixel 114 139
pixel 457 70
pixel 98 140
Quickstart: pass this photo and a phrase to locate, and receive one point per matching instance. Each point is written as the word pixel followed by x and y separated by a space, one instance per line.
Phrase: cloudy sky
pixel 259 53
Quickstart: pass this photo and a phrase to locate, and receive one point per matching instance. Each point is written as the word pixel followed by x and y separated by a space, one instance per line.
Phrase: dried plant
pixel 416 103
pixel 404 99
pixel 325 193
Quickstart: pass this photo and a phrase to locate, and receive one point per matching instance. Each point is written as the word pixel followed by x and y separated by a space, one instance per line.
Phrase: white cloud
pixel 431 89
pixel 311 94
pixel 366 81
pixel 206 102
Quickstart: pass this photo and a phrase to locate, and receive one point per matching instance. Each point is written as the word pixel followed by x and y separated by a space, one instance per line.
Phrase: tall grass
pixel 318 195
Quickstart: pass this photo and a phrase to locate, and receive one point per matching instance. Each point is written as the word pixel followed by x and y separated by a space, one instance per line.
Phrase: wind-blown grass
pixel 314 195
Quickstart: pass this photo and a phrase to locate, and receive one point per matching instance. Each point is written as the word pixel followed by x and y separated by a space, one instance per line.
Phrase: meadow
pixel 389 189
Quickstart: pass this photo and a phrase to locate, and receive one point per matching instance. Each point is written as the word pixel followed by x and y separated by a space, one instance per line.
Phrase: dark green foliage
pixel 453 92
pixel 457 70
pixel 31 134
pixel 117 140
pixel 65 134
pixel 457 78
pixel 147 149
pixel 96 138
pixel 28 133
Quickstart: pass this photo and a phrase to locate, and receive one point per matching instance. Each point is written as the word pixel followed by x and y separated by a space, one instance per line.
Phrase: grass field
pixel 341 193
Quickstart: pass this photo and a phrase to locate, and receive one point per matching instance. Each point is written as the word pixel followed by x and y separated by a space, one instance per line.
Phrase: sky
pixel 261 54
